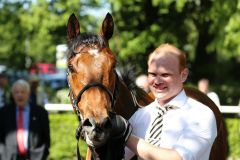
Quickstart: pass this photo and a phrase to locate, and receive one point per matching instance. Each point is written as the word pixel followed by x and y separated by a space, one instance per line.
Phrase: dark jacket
pixel 39 134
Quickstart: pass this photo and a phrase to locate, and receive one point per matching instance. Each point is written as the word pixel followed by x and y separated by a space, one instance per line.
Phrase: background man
pixel 24 132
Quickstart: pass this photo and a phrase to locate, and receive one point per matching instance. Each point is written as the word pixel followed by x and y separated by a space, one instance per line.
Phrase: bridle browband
pixel 76 99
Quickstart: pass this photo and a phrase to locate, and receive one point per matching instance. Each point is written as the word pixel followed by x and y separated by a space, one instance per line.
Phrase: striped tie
pixel 154 134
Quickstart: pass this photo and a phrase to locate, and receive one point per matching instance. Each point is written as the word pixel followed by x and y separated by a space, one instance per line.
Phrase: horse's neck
pixel 125 105
pixel 143 98
pixel 127 102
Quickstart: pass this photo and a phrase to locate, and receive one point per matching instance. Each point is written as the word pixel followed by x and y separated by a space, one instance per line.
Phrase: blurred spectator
pixel 3 89
pixel 24 133
pixel 37 95
pixel 203 86
pixel 142 82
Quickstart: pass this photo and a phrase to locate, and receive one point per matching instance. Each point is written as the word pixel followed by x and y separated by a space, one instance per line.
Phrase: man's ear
pixel 184 74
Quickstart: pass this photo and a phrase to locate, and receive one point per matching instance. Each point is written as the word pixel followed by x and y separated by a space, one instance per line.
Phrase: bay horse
pixel 97 92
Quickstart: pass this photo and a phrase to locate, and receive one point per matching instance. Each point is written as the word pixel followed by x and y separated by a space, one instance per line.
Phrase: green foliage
pixel 233 127
pixel 225 16
pixel 207 30
pixel 63 142
pixel 229 94
pixel 58 96
pixel 62 96
pixel 30 30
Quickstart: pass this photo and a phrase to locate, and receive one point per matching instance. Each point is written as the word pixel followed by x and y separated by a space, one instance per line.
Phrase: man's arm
pixel 151 152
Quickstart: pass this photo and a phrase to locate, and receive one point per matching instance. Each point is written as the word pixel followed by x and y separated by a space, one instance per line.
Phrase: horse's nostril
pixel 107 124
pixel 87 123
pixel 98 130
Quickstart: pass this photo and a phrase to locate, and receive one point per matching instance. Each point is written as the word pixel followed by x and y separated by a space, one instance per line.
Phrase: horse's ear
pixel 73 27
pixel 107 27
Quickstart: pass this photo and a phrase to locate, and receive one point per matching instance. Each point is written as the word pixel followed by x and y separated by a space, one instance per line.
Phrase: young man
pixel 24 132
pixel 186 129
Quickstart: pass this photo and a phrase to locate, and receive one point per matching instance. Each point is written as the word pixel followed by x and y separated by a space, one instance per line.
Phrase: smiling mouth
pixel 158 88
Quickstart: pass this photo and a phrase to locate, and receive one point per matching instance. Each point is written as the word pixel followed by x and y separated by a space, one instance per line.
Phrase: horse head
pixel 92 79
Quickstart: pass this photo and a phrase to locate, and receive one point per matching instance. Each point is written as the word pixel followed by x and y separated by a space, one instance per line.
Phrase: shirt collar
pixel 25 108
pixel 178 101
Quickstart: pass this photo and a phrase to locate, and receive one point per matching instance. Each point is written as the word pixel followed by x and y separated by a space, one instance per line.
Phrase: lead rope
pixel 78 133
pixel 79 128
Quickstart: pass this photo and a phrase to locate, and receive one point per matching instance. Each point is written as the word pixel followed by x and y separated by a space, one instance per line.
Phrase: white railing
pixel 58 107
pixel 68 107
pixel 230 109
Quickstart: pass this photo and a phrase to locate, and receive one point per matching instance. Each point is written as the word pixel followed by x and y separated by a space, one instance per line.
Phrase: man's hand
pixel 121 128
pixel 121 131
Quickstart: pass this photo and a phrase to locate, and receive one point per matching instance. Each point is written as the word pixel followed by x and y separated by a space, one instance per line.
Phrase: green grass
pixel 233 127
pixel 63 142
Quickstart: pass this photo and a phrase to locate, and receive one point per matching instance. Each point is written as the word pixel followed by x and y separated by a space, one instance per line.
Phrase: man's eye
pixel 165 75
pixel 151 74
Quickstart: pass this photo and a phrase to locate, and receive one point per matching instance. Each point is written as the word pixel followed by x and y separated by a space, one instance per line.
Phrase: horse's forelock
pixel 86 39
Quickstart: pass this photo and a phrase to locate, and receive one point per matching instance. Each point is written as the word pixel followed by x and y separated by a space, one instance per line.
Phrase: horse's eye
pixel 71 68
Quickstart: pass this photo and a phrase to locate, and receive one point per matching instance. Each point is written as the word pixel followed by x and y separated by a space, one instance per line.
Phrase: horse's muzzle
pixel 96 134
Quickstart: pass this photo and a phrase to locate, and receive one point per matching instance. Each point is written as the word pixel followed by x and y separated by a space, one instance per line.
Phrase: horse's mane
pixel 84 39
pixel 128 73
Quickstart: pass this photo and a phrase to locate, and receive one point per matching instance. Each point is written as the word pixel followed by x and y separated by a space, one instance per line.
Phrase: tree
pixel 10 38
pixel 201 28
pixel 30 30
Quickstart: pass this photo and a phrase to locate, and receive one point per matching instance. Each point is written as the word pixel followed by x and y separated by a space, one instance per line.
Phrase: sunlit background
pixel 33 47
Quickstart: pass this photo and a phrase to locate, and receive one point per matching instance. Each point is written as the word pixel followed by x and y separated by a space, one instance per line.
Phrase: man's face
pixel 20 96
pixel 165 78
pixel 203 86
pixel 3 81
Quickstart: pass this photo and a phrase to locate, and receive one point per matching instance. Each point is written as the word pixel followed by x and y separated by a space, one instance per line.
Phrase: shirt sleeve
pixel 128 153
pixel 197 138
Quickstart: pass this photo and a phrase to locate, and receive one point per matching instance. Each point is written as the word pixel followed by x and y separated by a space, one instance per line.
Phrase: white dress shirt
pixel 190 129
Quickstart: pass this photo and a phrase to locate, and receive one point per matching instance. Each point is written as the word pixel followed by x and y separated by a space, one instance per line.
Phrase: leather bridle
pixel 76 99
